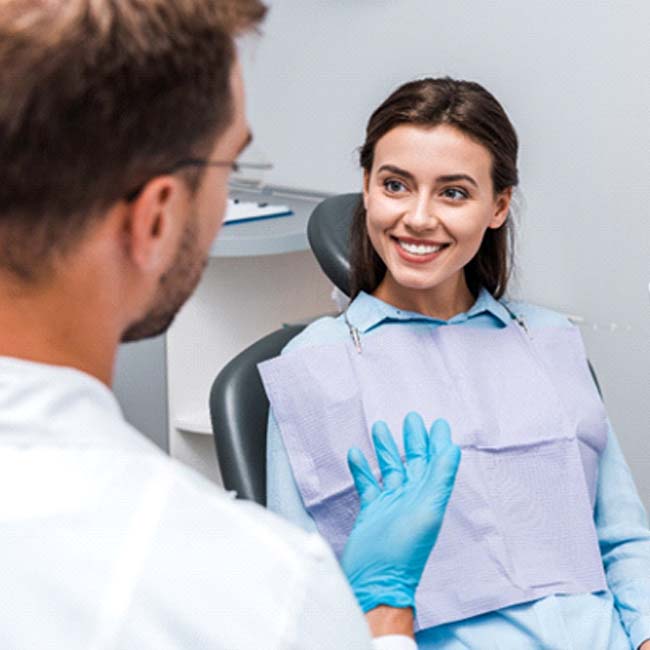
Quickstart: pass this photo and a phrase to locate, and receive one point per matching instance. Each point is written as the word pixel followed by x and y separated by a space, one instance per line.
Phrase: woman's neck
pixel 444 301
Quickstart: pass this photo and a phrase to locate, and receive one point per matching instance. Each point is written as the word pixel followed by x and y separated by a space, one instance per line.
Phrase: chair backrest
pixel 239 411
pixel 328 232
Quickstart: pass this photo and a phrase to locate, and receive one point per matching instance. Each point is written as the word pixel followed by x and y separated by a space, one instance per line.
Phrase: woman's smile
pixel 418 251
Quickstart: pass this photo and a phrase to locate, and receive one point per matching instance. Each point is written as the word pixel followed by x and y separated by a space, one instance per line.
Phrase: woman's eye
pixel 455 193
pixel 394 186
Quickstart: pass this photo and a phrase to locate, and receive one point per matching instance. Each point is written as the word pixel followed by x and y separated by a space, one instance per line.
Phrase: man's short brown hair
pixel 95 97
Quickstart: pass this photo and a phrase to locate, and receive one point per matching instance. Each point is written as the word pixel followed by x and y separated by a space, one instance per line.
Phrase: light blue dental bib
pixel 524 410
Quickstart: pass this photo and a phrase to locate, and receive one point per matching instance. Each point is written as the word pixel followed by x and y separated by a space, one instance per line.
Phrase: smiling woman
pixel 545 543
pixel 429 200
pixel 447 149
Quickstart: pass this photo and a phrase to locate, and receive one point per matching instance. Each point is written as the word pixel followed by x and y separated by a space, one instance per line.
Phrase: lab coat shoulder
pixel 106 542
pixel 236 575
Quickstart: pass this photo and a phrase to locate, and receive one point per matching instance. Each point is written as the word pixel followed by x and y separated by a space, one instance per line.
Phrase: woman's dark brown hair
pixel 471 109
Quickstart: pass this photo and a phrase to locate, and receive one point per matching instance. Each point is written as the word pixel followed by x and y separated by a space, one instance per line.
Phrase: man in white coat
pixel 119 125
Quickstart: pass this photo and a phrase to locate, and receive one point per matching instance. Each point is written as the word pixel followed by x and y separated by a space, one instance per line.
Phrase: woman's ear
pixel 366 185
pixel 501 208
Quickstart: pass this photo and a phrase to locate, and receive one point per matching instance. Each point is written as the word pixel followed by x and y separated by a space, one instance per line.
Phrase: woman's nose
pixel 420 215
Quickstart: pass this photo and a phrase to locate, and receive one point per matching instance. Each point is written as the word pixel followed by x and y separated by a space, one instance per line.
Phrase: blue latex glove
pixel 399 523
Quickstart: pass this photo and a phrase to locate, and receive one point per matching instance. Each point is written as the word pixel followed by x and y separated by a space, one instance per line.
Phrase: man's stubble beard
pixel 176 285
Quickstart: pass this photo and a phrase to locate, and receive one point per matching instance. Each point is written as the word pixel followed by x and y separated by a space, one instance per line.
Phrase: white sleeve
pixel 330 616
pixel 394 642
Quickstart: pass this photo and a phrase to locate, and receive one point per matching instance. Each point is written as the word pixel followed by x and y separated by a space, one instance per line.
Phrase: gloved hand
pixel 399 523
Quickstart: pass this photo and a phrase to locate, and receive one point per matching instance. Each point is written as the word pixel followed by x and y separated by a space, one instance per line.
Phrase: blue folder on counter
pixel 244 211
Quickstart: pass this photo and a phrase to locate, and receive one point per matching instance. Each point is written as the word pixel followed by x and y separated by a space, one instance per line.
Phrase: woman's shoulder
pixel 536 315
pixel 323 331
pixel 329 330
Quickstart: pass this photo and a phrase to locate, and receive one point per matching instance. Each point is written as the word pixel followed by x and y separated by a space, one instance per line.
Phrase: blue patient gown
pixel 617 618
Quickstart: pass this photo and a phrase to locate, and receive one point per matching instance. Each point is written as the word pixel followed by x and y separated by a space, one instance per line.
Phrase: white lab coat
pixel 107 543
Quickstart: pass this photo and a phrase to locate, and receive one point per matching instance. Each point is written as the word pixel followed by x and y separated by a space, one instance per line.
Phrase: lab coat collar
pixel 367 312
pixel 61 406
pixel 20 378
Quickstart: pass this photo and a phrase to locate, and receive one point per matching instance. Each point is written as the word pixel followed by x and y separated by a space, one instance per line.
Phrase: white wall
pixel 573 76
pixel 140 385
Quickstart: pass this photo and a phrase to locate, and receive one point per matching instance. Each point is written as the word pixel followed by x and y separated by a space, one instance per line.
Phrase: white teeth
pixel 418 249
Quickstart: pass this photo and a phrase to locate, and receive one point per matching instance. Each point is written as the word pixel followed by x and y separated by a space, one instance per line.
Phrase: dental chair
pixel 238 403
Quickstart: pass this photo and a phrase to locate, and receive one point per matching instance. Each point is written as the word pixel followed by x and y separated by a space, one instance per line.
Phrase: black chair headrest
pixel 328 232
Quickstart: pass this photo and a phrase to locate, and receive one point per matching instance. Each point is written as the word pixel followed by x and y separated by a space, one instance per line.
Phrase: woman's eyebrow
pixel 452 178
pixel 396 170
pixel 447 178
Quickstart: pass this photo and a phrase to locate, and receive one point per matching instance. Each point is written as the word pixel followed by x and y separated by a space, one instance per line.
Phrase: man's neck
pixel 52 326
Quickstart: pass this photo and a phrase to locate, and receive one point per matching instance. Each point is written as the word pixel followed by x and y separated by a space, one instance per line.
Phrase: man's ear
pixel 502 208
pixel 154 222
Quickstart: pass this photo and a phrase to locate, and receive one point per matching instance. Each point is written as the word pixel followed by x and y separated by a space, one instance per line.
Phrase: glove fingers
pixel 364 481
pixel 439 437
pixel 390 463
pixel 443 464
pixel 442 475
pixel 416 445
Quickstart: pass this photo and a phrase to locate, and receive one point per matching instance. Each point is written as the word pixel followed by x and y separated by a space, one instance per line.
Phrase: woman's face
pixel 429 200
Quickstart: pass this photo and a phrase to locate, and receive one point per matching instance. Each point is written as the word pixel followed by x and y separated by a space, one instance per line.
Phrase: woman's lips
pixel 418 251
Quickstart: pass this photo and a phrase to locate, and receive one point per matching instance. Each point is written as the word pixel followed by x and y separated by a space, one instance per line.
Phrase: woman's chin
pixel 407 282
